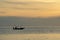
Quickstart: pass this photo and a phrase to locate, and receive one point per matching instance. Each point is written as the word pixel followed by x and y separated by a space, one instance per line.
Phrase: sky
pixel 30 8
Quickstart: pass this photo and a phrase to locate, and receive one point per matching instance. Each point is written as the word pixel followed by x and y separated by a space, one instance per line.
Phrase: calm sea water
pixel 30 33
pixel 30 29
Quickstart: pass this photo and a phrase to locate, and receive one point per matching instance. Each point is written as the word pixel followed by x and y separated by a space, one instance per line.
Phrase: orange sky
pixel 31 8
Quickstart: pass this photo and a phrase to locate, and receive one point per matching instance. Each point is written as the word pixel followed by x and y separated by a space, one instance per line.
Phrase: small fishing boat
pixel 18 28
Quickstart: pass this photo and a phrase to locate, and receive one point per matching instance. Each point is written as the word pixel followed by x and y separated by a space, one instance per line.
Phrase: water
pixel 30 29
pixel 30 37
pixel 30 33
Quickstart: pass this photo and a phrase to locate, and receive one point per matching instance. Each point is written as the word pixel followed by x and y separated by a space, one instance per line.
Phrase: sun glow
pixel 30 8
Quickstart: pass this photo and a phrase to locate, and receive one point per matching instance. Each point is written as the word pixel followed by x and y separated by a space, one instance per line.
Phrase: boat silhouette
pixel 18 28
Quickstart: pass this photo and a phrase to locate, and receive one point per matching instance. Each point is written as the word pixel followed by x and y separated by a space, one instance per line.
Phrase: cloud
pixel 26 8
pixel 1 12
pixel 25 3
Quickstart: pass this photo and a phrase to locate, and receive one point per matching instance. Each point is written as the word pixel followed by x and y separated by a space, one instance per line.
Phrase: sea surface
pixel 30 33
pixel 30 36
pixel 29 29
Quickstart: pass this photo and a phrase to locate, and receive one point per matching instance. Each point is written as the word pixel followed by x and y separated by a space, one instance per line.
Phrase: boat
pixel 18 28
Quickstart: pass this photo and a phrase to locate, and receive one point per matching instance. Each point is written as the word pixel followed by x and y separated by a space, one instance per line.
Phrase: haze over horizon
pixel 30 8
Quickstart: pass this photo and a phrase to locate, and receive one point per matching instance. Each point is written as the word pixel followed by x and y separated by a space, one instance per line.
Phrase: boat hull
pixel 18 28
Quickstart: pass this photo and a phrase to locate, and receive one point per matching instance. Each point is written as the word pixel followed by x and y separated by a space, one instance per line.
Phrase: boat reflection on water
pixel 18 28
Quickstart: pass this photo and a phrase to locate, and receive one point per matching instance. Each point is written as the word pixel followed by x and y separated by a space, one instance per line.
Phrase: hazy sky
pixel 30 8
